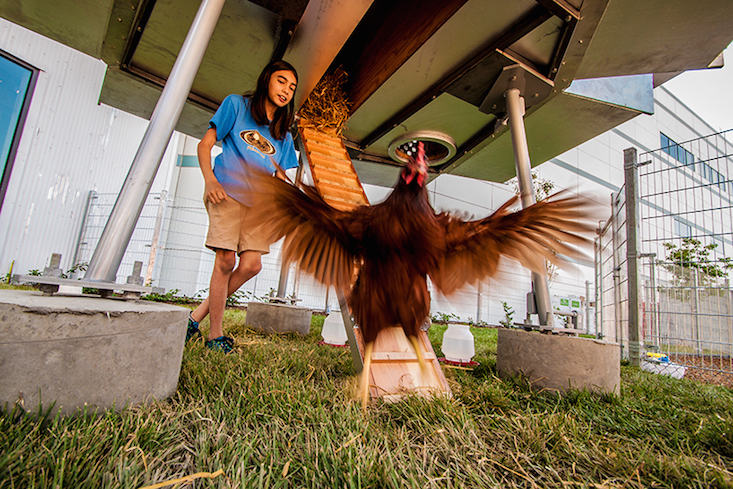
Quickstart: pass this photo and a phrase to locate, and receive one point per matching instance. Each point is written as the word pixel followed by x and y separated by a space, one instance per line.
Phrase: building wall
pixel 70 146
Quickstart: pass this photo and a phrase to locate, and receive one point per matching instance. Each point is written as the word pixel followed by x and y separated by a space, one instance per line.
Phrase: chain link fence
pixel 169 241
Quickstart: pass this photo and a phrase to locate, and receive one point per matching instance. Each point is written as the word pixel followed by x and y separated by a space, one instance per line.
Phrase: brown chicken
pixel 382 255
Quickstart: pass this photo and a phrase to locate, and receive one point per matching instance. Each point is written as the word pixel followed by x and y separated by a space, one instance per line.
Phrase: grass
pixel 281 413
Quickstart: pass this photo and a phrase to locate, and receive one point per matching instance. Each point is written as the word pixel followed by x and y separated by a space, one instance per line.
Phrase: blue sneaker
pixel 223 344
pixel 192 330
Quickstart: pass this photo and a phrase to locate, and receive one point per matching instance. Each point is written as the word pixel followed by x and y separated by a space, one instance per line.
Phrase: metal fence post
pixel 599 285
pixel 479 300
pixel 616 275
pixel 631 181
pixel 156 236
pixel 696 311
pixel 83 229
pixel 729 316
pixel 587 306
pixel 654 326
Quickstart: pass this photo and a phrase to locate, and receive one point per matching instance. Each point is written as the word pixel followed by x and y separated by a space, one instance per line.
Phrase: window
pixel 676 151
pixel 685 157
pixel 17 80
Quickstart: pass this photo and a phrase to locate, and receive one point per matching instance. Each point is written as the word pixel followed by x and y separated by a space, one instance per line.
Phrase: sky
pixel 709 92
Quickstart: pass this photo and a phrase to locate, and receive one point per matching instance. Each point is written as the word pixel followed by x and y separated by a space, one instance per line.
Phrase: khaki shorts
pixel 230 228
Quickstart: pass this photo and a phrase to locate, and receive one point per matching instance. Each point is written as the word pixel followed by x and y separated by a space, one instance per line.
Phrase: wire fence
pixel 682 323
pixel 169 241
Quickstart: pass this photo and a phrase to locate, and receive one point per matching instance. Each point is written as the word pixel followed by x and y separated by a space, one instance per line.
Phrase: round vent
pixel 439 147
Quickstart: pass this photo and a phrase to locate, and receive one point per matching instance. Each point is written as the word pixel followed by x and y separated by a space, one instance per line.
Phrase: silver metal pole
pixel 631 181
pixel 349 326
pixel 282 284
pixel 515 110
pixel 116 235
pixel 730 316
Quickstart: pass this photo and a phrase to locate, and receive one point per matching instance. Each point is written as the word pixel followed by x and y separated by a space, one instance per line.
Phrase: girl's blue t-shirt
pixel 244 144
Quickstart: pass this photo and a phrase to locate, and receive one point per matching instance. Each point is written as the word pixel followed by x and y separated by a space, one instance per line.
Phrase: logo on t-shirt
pixel 257 142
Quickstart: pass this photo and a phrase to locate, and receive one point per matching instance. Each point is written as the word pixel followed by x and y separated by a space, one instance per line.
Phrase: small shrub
pixel 171 297
pixel 442 318
pixel 508 321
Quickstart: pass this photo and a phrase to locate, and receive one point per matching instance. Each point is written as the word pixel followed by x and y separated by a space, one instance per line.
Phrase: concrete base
pixel 559 363
pixel 82 351
pixel 278 318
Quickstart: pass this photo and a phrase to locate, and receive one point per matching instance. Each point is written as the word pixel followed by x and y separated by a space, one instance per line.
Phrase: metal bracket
pixel 533 86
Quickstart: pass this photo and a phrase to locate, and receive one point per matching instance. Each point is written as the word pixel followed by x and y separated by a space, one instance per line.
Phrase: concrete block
pixel 558 362
pixel 82 351
pixel 278 318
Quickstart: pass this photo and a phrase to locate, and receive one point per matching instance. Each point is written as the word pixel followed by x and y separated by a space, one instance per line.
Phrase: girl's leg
pixel 250 263
pixel 220 276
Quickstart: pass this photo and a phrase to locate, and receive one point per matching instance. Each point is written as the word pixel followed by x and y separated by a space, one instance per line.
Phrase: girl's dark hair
pixel 283 118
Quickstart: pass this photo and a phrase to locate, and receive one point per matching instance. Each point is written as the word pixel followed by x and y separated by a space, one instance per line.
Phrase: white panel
pixel 69 146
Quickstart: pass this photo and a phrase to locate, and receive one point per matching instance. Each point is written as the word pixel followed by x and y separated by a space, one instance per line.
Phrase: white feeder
pixel 458 343
pixel 333 332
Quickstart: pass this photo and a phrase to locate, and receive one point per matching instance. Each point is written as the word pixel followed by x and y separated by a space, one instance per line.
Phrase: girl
pixel 253 128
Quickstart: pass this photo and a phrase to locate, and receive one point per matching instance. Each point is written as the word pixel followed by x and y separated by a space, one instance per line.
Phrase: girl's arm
pixel 213 191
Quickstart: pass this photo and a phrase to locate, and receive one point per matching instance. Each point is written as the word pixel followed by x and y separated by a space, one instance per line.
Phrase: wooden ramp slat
pixel 394 370
pixel 327 150
pixel 334 177
pixel 335 165
pixel 320 137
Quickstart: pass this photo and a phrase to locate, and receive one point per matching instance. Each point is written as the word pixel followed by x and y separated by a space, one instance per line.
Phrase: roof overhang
pixel 413 65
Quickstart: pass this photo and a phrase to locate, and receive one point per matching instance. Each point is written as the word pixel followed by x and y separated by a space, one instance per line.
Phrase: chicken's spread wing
pixel 323 241
pixel 547 230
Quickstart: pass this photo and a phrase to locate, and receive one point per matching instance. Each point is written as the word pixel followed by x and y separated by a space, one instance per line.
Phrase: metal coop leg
pixel 116 235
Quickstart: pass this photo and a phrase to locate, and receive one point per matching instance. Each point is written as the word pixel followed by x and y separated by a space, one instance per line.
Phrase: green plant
pixel 239 297
pixel 79 267
pixel 443 318
pixel 478 324
pixel 542 186
pixel 692 257
pixel 172 296
pixel 508 321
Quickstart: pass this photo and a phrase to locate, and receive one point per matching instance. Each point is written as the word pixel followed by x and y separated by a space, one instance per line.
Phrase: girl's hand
pixel 214 192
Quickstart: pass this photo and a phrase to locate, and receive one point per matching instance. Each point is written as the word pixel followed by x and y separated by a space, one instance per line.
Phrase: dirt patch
pixel 710 370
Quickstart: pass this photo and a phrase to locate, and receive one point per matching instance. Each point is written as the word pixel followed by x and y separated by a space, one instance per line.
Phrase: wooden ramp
pixel 395 370
pixel 333 172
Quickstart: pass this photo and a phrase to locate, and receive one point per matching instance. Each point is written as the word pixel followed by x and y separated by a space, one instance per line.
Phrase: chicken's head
pixel 417 167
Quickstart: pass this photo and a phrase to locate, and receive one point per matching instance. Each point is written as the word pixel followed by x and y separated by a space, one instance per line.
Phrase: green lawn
pixel 281 412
